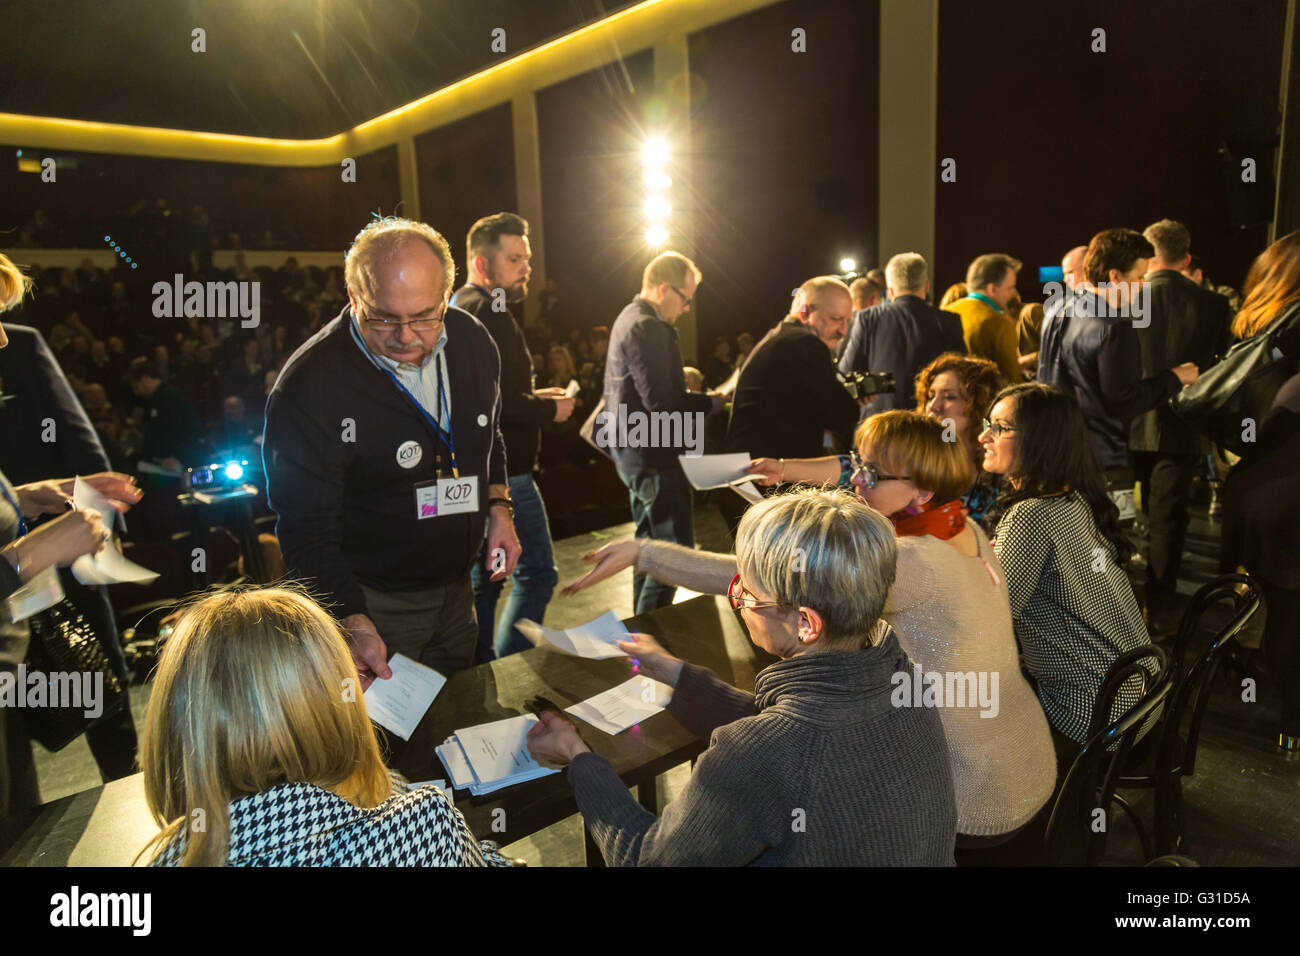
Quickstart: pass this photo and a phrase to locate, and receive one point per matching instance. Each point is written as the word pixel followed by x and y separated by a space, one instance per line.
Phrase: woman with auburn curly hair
pixel 957 390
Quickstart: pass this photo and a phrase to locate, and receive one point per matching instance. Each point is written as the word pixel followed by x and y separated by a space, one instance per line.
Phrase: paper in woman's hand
pixel 596 640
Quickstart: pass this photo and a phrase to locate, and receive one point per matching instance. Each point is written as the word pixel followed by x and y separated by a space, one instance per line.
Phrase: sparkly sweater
pixel 950 617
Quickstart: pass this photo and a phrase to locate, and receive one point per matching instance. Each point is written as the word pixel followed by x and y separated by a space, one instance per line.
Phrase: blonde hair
pixel 670 267
pixel 254 688
pixel 954 292
pixel 822 549
pixel 912 443
pixel 383 239
pixel 14 284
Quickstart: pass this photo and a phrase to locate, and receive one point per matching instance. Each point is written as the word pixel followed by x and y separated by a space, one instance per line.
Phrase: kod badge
pixel 409 454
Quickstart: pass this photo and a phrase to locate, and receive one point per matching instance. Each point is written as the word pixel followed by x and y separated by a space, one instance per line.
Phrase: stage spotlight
pixel 655 178
pixel 847 264
pixel 656 235
pixel 655 152
pixel 657 208
pixel 234 470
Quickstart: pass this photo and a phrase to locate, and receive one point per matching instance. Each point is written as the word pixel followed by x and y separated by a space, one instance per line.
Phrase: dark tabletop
pixel 88 826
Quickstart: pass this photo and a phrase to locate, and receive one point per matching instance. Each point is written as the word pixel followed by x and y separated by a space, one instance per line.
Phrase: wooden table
pixel 106 826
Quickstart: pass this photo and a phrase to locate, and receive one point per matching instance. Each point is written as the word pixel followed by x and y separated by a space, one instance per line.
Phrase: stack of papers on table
pixel 596 640
pixel 618 708
pixel 488 757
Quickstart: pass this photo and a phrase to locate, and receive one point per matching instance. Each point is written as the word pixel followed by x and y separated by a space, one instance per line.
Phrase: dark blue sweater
pixel 347 508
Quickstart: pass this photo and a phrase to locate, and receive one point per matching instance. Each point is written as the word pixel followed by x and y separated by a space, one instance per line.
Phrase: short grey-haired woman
pixel 817 766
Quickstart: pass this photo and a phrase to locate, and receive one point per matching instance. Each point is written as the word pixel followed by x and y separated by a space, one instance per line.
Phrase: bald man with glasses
pixel 384 457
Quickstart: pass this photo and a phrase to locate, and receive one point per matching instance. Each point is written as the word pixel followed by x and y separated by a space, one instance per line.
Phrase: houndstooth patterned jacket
pixel 299 824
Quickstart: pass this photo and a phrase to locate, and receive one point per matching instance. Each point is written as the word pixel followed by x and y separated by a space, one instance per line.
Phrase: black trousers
pixel 1166 488
pixel 1282 651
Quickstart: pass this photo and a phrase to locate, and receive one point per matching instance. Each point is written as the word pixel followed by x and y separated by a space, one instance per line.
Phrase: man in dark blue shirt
pixel 650 418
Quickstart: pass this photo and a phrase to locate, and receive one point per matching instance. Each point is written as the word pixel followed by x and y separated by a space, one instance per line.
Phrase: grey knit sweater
pixel 816 768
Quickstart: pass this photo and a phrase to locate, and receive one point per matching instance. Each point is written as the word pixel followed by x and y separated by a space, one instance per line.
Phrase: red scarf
pixel 943 522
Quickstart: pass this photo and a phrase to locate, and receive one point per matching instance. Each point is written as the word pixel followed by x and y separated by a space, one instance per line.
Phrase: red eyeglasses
pixel 739 597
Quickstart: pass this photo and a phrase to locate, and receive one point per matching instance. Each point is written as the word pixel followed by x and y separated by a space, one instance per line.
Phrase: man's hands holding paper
pixel 368 649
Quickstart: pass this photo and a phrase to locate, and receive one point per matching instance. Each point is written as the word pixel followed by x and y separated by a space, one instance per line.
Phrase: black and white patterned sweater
pixel 299 824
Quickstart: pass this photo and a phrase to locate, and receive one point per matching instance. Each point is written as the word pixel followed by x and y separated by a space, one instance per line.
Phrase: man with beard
pixel 496 260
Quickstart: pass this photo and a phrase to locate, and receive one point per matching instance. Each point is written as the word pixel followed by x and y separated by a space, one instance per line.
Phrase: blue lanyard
pixel 22 522
pixel 443 436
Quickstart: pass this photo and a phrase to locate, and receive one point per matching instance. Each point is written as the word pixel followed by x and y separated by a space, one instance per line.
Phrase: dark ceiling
pixel 280 68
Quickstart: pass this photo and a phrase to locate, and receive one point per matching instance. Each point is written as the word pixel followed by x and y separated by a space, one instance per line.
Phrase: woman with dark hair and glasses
pixel 1059 541
pixel 820 740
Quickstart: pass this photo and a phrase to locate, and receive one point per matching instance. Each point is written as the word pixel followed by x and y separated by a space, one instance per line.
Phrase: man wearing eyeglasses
pixel 385 460
pixel 643 378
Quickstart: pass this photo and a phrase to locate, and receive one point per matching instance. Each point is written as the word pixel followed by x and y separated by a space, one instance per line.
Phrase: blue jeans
pixel 662 510
pixel 534 577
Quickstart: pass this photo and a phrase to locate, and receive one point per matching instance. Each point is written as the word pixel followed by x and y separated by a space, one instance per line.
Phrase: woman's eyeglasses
pixel 997 429
pixel 871 475
pixel 739 597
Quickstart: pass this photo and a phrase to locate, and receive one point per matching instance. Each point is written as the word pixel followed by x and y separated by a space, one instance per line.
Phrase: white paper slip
pixel 398 704
pixel 498 751
pixel 714 471
pixel 108 566
pixel 42 591
pixel 595 639
pixel 618 708
pixel 747 490
pixel 573 388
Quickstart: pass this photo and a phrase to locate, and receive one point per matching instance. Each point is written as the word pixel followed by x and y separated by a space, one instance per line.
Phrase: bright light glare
pixel 656 235
pixel 847 265
pixel 655 178
pixel 234 471
pixel 657 208
pixel 655 152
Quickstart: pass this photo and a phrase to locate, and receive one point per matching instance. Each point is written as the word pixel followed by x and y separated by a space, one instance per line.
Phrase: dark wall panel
pixel 785 157
pixel 1054 142
pixel 467 171
pixel 591 129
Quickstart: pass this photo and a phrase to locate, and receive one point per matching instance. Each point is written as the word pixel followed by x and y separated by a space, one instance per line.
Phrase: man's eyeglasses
pixel 686 299
pixel 392 325
pixel 739 597
pixel 997 429
pixel 871 475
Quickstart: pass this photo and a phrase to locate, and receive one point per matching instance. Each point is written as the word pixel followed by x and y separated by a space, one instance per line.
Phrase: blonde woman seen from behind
pixel 258 751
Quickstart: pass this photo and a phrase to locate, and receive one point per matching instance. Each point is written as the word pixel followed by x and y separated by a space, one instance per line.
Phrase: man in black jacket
pixel 1188 323
pixel 1092 350
pixel 788 395
pixel 903 335
pixel 496 257
pixel 384 457
pixel 650 419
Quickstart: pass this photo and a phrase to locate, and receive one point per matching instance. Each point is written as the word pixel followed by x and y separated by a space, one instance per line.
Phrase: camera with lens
pixel 865 384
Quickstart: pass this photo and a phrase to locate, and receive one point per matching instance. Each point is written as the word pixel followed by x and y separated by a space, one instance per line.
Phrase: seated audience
pixel 282 767
pixel 948 607
pixel 818 738
pixel 1064 555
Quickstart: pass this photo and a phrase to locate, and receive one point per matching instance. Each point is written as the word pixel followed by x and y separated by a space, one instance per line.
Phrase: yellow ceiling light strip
pixel 587 48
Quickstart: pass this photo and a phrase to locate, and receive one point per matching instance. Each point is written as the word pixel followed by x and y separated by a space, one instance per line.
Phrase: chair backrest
pixel 1076 832
pixel 1192 678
